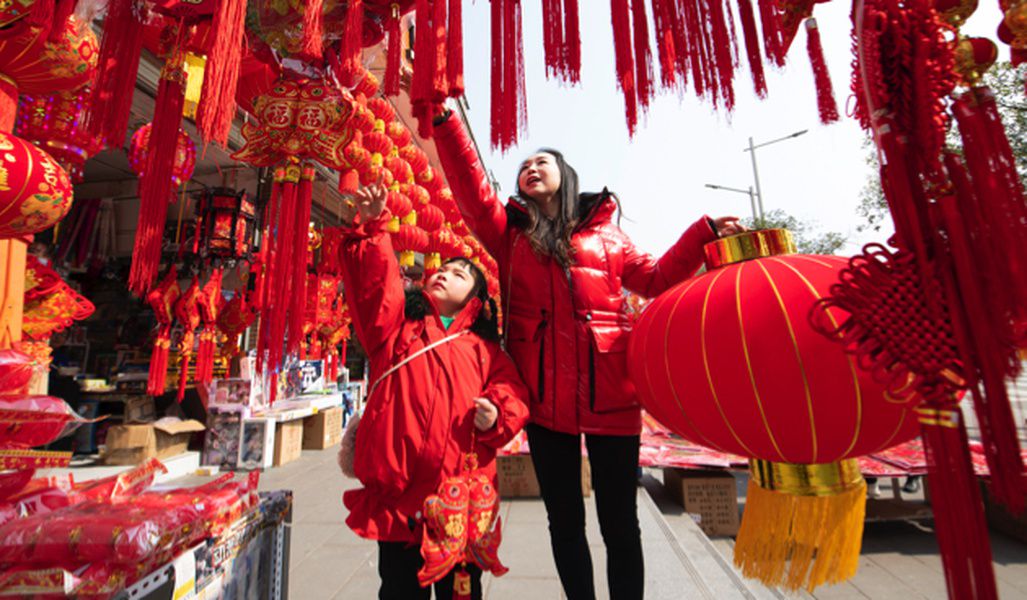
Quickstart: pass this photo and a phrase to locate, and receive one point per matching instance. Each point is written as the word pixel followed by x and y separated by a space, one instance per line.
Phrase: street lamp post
pixel 752 198
pixel 755 172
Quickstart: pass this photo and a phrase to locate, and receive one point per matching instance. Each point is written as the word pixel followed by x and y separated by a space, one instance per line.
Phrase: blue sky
pixel 683 144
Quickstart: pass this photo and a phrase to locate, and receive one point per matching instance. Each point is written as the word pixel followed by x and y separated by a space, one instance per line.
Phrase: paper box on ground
pixel 258 443
pixel 288 441
pixel 517 479
pixel 711 497
pixel 323 430
pixel 140 409
pixel 132 444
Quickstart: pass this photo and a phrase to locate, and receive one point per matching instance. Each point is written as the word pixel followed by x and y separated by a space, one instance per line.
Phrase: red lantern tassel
pixel 773 43
pixel 183 373
pixel 571 42
pixel 462 584
pixel 552 37
pixel 720 53
pixel 958 509
pixel 117 70
pixel 300 257
pixel 496 75
pixel 665 48
pixel 826 105
pixel 155 186
pixel 353 45
pixel 455 55
pixel 624 60
pixel 643 54
pixel 752 47
pixel 394 52
pixel 282 275
pixel 440 86
pixel 509 110
pixel 221 74
pixel 424 57
pixel 157 381
pixel 311 44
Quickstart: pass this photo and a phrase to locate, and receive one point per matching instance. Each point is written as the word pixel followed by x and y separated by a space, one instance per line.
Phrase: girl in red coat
pixel 421 417
pixel 563 265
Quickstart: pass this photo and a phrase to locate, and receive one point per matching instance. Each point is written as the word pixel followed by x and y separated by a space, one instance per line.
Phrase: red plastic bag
pixel 16 370
pixel 27 421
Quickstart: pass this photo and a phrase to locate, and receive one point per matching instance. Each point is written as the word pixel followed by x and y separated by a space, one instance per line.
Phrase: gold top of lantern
pixel 760 243
pixel 826 479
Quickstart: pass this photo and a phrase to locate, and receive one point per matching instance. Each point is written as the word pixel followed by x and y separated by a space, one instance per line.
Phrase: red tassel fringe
pixel 155 186
pixel 960 528
pixel 624 61
pixel 773 41
pixel 752 47
pixel 157 383
pixel 643 54
pixel 394 54
pixel 826 105
pixel 440 86
pixel 455 50
pixel 352 47
pixel 117 70
pixel 509 109
pixel 183 373
pixel 312 45
pixel 221 75
pixel 300 259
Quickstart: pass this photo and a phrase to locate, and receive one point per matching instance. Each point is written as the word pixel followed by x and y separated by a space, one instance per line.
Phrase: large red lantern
pixel 55 122
pixel 35 192
pixel 729 360
pixel 185 154
pixel 32 64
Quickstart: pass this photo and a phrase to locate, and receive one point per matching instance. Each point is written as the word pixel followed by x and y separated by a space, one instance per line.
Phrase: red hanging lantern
pixel 416 157
pixel 382 109
pixel 400 135
pixel 768 386
pixel 400 169
pixel 429 217
pixel 399 205
pixel 185 155
pixel 226 224
pixel 56 124
pixel 35 192
pixel 410 239
pixel 417 194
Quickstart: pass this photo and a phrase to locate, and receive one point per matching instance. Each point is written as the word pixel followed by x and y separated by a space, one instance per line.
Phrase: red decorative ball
pixel 185 154
pixel 56 124
pixel 729 360
pixel 35 191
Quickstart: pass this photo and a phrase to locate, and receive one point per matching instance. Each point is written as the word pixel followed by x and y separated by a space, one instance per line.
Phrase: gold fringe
pixel 800 541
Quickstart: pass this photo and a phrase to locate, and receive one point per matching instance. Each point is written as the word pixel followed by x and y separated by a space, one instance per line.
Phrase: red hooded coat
pixel 567 329
pixel 419 421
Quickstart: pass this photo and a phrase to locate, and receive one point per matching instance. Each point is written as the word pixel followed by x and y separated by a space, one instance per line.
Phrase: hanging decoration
pixel 770 387
pixel 185 155
pixel 55 123
pixel 235 318
pixel 162 299
pixel 51 305
pixel 187 313
pixel 225 226
pixel 35 191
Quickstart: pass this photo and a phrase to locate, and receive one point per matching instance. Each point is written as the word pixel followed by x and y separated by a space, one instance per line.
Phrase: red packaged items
pixel 27 421
pixel 15 371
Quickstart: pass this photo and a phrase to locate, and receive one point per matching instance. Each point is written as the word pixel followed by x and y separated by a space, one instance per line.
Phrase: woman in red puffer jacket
pixel 563 266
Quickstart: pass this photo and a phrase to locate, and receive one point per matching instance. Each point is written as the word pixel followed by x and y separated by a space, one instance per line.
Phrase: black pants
pixel 398 565
pixel 614 460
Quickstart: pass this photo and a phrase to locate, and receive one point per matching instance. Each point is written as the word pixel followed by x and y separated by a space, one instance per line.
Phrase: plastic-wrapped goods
pixel 27 421
pixel 16 370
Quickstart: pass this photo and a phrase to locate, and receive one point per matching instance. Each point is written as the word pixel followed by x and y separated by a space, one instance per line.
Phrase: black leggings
pixel 614 460
pixel 398 564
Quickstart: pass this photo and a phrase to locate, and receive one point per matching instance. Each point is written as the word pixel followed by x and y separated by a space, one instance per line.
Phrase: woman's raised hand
pixel 728 226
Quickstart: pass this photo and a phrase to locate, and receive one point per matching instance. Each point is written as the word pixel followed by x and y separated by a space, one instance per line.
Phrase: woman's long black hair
pixel 486 326
pixel 552 237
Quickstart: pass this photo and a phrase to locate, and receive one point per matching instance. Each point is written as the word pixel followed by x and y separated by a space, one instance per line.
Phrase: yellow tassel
pixel 797 541
pixel 194 65
pixel 406 258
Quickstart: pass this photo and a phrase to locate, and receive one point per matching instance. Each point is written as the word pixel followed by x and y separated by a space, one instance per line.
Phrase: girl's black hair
pixel 486 326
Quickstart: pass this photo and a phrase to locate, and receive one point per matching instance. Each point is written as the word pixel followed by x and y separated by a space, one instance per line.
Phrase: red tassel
pixel 643 54
pixel 455 55
pixel 424 55
pixel 183 373
pixel 394 53
pixel 117 70
pixel 665 48
pixel 552 37
pixel 352 47
pixel 496 75
pixel 773 43
pixel 221 75
pixel 312 45
pixel 571 42
pixel 624 60
pixel 960 528
pixel 155 186
pixel 440 87
pixel 462 585
pixel 300 258
pixel 509 111
pixel 157 381
pixel 720 53
pixel 825 93
pixel 272 322
pixel 752 47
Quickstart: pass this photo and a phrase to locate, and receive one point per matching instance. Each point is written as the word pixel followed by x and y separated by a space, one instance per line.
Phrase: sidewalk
pixel 328 561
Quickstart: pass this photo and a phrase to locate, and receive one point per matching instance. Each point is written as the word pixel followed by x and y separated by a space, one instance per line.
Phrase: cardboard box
pixel 516 475
pixel 710 497
pixel 323 430
pixel 133 444
pixel 140 409
pixel 288 441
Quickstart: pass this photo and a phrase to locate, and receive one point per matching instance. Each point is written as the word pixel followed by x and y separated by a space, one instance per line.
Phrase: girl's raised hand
pixel 728 226
pixel 370 201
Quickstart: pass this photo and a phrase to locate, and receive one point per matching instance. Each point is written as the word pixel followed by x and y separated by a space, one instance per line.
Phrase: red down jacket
pixel 419 421
pixel 567 330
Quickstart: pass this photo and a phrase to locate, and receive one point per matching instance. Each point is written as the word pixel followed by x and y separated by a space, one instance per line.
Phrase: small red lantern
pixel 400 135
pixel 226 224
pixel 730 360
pixel 35 192
pixel 185 154
pixel 409 240
pixel 55 123
pixel 416 157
